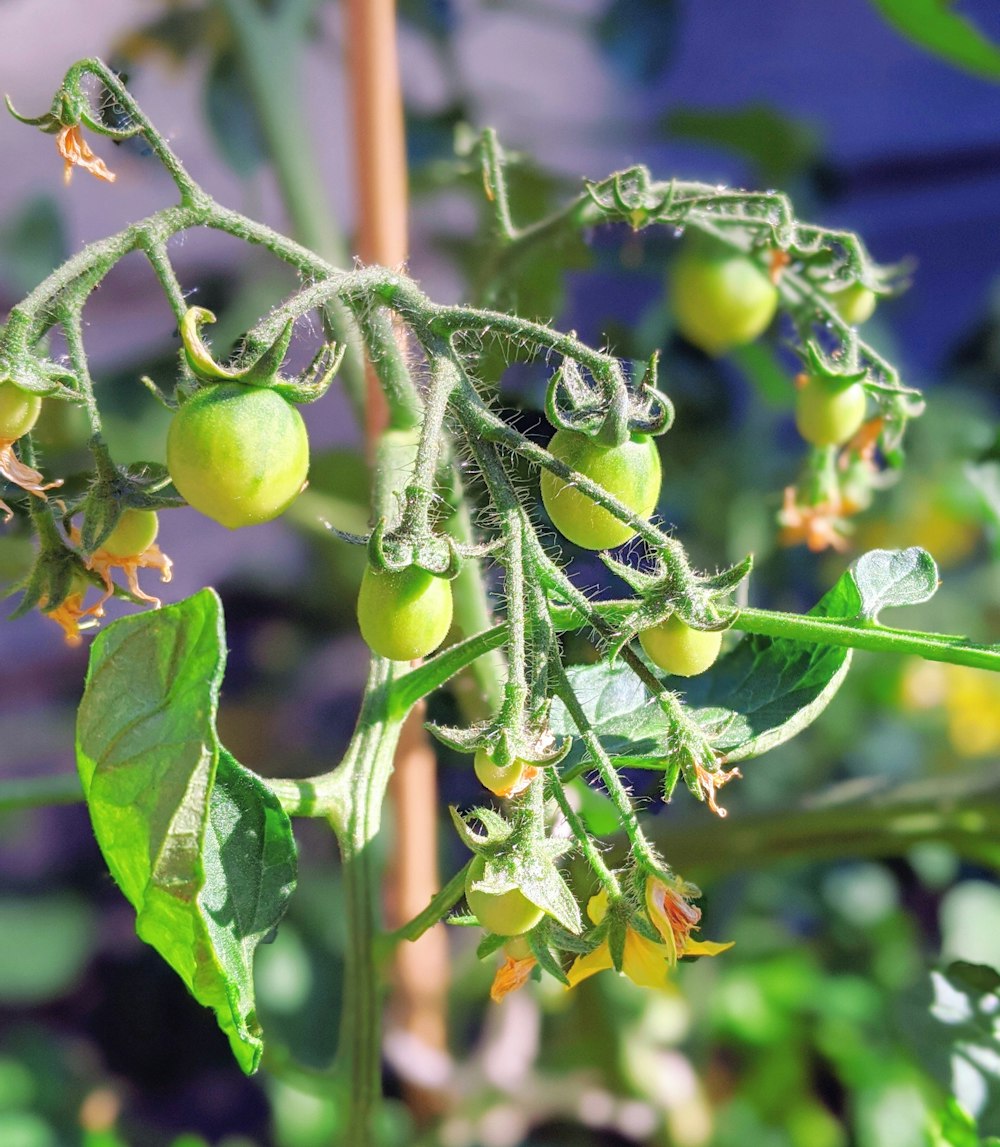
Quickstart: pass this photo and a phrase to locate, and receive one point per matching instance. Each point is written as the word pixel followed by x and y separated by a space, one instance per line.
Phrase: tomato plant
pixel 238 453
pixel 629 472
pixel 720 297
pixel 542 668
pixel 679 649
pixel 404 615
pixel 827 414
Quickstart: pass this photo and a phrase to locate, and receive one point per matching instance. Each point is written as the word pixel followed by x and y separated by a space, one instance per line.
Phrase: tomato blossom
pixel 647 962
pixel 20 474
pixel 76 153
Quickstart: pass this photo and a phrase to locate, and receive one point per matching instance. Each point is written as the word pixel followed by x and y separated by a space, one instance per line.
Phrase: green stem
pixel 35 792
pixel 270 52
pixel 643 851
pixel 438 908
pixel 362 778
pixel 582 836
pixel 868 635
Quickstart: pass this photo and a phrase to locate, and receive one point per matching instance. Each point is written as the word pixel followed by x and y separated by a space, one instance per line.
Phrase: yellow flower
pixel 646 962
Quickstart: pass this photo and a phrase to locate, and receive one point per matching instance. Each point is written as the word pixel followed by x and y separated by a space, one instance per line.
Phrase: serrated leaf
pixel 893 577
pixel 198 844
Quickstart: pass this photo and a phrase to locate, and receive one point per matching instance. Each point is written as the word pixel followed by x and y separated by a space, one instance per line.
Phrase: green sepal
pixel 199 357
pixel 544 941
pixel 831 373
pixel 138 486
pixel 490 944
pixel 497 829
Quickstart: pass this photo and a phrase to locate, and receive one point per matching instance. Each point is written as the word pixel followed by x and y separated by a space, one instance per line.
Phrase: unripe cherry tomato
pixel 677 648
pixel 518 948
pixel 720 297
pixel 238 453
pixel 630 472
pixel 827 416
pixel 134 532
pixel 505 913
pixel 404 615
pixel 499 779
pixel 19 410
pixel 855 304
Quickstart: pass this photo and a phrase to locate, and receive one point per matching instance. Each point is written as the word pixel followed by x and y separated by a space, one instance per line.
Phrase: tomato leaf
pixel 934 25
pixel 893 577
pixel 199 845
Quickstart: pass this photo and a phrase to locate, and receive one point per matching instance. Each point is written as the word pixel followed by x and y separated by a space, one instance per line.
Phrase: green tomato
pixel 827 416
pixel 720 297
pixel 134 532
pixel 499 779
pixel 505 913
pixel 518 948
pixel 238 453
pixel 677 648
pixel 855 304
pixel 404 615
pixel 630 472
pixel 19 410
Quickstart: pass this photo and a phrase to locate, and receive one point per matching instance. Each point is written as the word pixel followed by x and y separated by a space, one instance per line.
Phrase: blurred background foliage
pixel 857 868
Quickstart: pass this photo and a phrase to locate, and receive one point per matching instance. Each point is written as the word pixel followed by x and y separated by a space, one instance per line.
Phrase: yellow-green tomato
pixel 855 304
pixel 134 532
pixel 19 410
pixel 630 472
pixel 238 453
pixel 505 913
pixel 677 648
pixel 518 948
pixel 499 779
pixel 720 297
pixel 404 615
pixel 828 416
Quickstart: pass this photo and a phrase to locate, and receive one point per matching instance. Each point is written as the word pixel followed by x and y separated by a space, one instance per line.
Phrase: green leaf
pixel 893 577
pixel 32 244
pixel 198 844
pixel 230 112
pixel 779 146
pixel 934 25
pixel 952 1025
